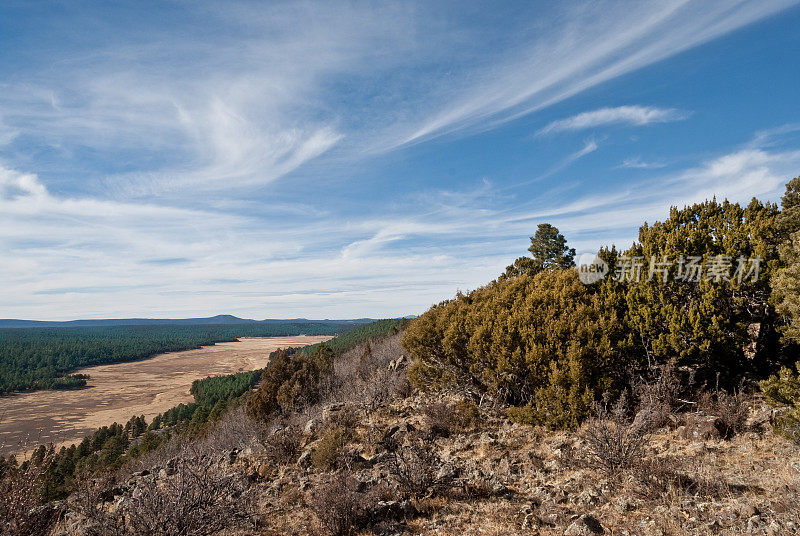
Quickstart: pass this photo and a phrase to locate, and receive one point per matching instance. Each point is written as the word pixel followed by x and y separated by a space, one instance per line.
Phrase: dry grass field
pixel 119 391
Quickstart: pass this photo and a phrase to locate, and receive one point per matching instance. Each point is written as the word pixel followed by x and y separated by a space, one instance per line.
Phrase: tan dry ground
pixel 119 391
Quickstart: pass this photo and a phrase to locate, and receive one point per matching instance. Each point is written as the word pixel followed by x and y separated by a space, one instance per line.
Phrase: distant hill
pixel 213 320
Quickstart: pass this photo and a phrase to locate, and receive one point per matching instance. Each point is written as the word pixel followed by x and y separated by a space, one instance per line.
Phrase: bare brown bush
pixel 283 444
pixel 439 418
pixel 614 440
pixel 235 430
pixel 731 408
pixel 417 469
pixel 91 499
pixel 659 399
pixel 340 507
pixel 196 500
pixel 21 508
pixel 364 376
pixel 345 417
pixel 446 418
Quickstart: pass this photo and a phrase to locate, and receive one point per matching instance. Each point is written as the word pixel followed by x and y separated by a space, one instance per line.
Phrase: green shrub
pixel 783 390
pixel 550 342
pixel 290 382
pixel 536 340
pixel 706 325
pixel 466 414
pixel 328 452
pixel 521 414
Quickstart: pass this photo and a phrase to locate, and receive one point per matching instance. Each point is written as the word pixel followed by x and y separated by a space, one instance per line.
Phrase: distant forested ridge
pixel 212 320
pixel 42 358
pixel 358 335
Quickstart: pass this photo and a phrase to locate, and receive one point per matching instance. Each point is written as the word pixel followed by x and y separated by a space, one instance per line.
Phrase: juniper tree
pixel 714 324
pixel 786 285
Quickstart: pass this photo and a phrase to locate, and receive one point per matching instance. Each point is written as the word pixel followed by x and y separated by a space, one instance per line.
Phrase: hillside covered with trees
pixel 713 288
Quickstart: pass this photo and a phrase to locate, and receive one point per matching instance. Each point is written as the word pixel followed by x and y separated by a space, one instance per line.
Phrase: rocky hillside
pixel 373 457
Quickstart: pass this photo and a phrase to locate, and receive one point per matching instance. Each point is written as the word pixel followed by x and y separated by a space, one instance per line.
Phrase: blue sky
pixel 334 160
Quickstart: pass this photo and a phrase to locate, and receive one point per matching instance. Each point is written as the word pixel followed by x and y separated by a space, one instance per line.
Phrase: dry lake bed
pixel 117 392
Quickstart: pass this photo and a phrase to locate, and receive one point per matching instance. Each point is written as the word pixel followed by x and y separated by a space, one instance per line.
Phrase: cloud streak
pixel 593 45
pixel 625 115
pixel 62 251
pixel 636 162
pixel 256 159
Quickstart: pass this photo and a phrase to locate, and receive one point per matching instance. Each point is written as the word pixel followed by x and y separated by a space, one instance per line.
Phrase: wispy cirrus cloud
pixel 636 162
pixel 620 115
pixel 590 45
pixel 107 255
pixel 255 158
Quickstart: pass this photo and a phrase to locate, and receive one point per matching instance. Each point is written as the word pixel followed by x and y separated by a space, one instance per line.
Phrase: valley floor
pixel 118 391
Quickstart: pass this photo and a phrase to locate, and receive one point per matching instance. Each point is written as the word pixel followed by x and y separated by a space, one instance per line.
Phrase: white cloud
pixel 62 257
pixel 590 45
pixel 636 162
pixel 239 102
pixel 14 185
pixel 629 115
pixel 191 127
pixel 253 94
pixel 737 176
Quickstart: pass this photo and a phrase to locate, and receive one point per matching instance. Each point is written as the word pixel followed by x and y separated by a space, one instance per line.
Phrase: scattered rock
pixel 266 470
pixel 753 524
pixel 358 463
pixel 394 510
pixel 588 497
pixel 446 472
pixel 397 363
pixel 749 511
pixel 702 427
pixel 312 425
pixel 585 525
pixel 624 504
pixel 759 418
pixel 330 409
pixel 304 460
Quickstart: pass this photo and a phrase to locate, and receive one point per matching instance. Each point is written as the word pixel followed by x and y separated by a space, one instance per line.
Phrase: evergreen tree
pixel 546 340
pixel 711 324
pixel 548 251
pixel 786 284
